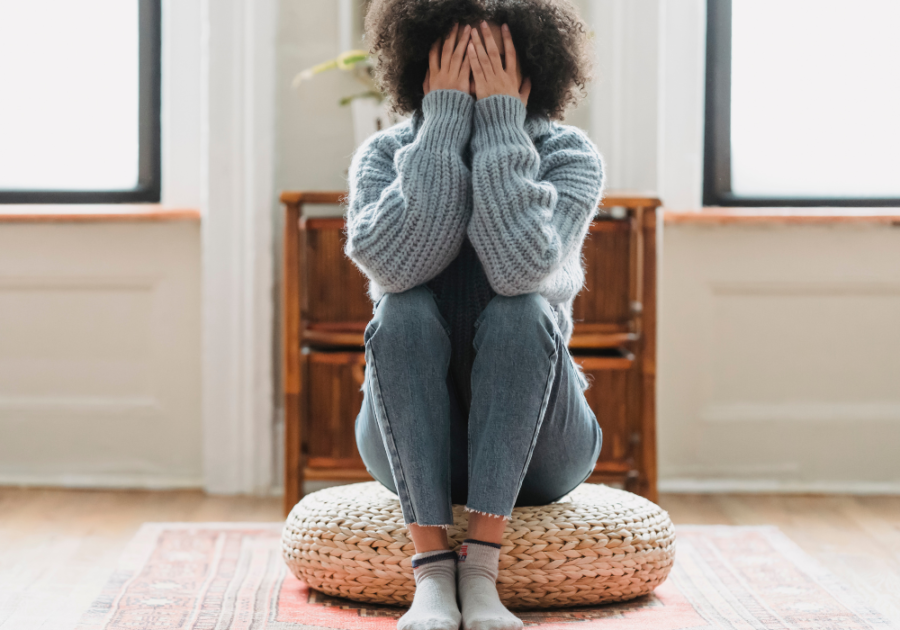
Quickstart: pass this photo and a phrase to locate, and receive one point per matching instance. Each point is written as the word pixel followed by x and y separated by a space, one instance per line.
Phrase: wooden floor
pixel 57 547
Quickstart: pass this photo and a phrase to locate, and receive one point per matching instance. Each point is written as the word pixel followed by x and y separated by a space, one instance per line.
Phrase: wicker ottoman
pixel 595 545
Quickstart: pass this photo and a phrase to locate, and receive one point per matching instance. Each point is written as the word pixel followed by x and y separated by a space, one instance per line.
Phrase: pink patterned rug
pixel 217 576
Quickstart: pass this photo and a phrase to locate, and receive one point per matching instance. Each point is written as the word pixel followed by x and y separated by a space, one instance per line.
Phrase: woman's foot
pixel 477 585
pixel 434 604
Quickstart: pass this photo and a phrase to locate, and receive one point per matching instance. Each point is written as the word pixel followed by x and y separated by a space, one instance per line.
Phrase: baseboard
pixel 675 485
pixel 102 481
pixel 773 486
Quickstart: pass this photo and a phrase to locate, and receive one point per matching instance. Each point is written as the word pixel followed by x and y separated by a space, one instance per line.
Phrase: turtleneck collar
pixel 535 125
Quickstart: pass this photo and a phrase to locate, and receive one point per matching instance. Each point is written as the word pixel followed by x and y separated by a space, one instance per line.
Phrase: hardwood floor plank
pixel 694 509
pixel 58 547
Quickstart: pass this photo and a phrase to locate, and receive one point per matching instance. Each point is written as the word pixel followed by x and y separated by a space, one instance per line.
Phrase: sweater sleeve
pixel 409 205
pixel 531 209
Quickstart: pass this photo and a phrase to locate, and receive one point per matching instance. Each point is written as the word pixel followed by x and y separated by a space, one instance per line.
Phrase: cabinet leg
pixel 293 453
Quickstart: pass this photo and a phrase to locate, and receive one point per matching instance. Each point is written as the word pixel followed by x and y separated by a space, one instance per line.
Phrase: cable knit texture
pixel 474 198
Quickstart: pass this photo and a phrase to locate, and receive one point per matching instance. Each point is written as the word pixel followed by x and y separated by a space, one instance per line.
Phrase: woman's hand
pixel 487 66
pixel 448 69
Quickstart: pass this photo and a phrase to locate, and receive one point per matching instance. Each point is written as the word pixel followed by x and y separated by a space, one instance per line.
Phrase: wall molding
pixel 78 406
pixel 771 486
pixel 59 282
pixel 801 288
pixel 887 411
pixel 112 481
pixel 237 197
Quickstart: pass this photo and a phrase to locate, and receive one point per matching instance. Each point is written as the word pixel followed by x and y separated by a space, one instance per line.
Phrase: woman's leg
pixel 526 404
pixel 374 454
pixel 568 444
pixel 530 429
pixel 404 433
pixel 406 417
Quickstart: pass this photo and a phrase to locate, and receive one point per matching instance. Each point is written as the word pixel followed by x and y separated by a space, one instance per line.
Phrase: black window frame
pixel 717 141
pixel 149 89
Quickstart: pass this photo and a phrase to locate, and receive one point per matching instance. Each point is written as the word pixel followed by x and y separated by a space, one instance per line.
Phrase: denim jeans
pixel 529 436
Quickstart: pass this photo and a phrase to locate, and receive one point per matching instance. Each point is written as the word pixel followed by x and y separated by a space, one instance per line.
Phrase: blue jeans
pixel 529 436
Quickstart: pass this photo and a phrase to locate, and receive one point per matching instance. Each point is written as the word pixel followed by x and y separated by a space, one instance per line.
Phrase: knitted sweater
pixel 474 198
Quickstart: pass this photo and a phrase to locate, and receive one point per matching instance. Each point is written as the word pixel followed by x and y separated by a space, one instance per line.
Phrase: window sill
pixel 785 216
pixel 94 213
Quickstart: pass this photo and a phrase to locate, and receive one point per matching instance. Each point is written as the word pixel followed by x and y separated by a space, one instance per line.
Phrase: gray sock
pixel 434 603
pixel 476 576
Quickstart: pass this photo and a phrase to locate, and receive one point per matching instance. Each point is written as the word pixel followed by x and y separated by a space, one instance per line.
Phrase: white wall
pixel 646 107
pixel 780 358
pixel 779 347
pixel 100 322
pixel 181 107
pixel 99 354
pixel 315 139
pixel 624 100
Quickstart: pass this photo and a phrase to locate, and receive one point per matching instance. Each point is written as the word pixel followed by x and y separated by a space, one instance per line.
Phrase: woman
pixel 468 220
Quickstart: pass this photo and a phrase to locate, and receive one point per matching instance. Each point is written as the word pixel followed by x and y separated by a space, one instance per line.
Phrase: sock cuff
pixel 472 541
pixel 478 552
pixel 432 556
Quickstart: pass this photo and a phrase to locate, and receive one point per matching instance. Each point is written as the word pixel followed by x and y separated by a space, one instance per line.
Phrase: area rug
pixel 215 576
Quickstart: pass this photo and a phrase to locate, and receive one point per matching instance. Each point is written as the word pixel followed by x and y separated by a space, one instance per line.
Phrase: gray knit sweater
pixel 474 198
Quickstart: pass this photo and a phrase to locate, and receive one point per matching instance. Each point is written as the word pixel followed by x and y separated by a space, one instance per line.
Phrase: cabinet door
pixel 334 400
pixel 336 289
pixel 611 396
pixel 602 312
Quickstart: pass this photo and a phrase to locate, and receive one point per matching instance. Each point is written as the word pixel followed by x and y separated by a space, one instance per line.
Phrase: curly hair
pixel 551 41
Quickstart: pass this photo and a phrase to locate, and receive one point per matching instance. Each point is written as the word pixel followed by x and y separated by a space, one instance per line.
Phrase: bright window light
pixel 815 98
pixel 69 97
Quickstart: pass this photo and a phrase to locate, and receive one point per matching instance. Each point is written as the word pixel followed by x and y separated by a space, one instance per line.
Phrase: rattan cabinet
pixel 326 309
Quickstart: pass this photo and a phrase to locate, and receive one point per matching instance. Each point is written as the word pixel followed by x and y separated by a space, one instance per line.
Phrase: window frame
pixel 148 188
pixel 717 127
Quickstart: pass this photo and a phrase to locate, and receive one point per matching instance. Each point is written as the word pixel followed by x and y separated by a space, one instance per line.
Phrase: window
pixel 79 112
pixel 802 103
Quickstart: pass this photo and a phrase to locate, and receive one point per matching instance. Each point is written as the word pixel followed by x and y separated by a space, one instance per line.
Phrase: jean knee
pixel 519 315
pixel 398 313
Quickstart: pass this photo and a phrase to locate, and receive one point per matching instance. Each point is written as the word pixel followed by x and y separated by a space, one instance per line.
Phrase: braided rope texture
pixel 595 545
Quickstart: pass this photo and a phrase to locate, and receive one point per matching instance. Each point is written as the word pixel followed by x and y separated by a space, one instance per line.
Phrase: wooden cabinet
pixel 613 379
pixel 335 379
pixel 326 309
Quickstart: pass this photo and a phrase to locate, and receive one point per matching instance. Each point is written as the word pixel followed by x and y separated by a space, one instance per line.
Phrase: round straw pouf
pixel 594 545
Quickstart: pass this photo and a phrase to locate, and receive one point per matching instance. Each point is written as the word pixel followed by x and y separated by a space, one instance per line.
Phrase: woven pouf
pixel 595 545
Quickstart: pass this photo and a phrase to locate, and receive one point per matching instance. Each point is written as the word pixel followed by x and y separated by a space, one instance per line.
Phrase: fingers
pixel 464 74
pixel 433 63
pixel 459 52
pixel 481 55
pixel 449 45
pixel 509 50
pixel 477 70
pixel 492 50
pixel 425 85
